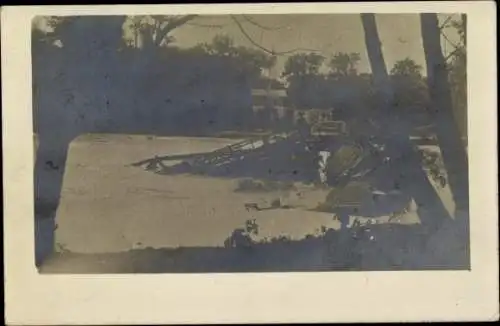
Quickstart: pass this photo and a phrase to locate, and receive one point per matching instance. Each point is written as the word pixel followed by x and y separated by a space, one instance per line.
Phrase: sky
pixel 325 33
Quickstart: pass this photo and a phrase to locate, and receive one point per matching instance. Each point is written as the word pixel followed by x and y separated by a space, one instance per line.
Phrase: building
pixel 268 98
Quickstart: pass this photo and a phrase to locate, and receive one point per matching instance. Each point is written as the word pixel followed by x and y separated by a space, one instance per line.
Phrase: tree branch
pixel 447 39
pixel 271 52
pixel 454 52
pixel 171 25
pixel 253 22
pixel 464 23
pixel 444 25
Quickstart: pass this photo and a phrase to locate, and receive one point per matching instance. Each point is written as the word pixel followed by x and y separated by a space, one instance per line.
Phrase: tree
pixel 344 84
pixel 344 64
pixel 74 87
pixel 40 40
pixel 154 30
pixel 410 91
pixel 408 174
pixel 254 62
pixel 458 76
pixel 301 72
pixel 450 144
pixel 219 76
pixel 136 24
pixel 221 45
pixel 302 64
pixel 101 34
pixel 407 67
pixel 247 61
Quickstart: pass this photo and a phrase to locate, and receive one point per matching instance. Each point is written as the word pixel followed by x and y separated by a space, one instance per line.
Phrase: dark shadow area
pixel 49 171
pixel 369 248
pixel 89 76
pixel 44 238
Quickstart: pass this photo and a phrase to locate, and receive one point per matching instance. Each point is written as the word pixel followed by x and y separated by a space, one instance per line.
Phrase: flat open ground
pixel 109 206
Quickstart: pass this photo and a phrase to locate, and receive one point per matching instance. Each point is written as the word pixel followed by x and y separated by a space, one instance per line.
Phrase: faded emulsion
pixel 250 143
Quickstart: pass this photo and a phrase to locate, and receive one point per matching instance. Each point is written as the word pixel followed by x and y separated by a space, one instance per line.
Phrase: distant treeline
pixel 88 78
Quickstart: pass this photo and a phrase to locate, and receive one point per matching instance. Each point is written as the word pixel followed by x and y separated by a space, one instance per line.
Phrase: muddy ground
pixel 109 207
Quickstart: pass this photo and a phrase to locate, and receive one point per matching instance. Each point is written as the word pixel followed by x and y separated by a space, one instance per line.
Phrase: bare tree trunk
pixel 452 149
pixel 464 22
pixel 412 177
pixel 376 57
pixel 464 88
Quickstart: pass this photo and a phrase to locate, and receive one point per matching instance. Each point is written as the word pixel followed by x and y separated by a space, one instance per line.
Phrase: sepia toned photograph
pixel 250 163
pixel 250 143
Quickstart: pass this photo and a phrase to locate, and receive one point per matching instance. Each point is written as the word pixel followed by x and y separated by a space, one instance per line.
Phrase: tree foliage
pixel 305 83
pixel 106 83
pixel 310 86
pixel 154 30
pixel 302 64
pixel 344 64
pixel 410 89
pixel 408 68
pixel 249 61
pixel 458 77
pixel 90 51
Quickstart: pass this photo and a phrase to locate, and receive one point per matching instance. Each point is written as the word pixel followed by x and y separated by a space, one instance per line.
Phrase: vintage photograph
pixel 250 143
